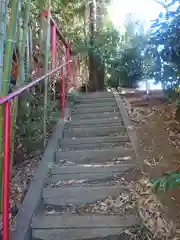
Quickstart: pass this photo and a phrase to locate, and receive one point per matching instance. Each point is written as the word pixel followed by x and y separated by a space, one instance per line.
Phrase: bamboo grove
pixel 25 55
pixel 21 58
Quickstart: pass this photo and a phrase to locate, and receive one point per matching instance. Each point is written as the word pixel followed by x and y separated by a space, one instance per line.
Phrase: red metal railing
pixel 6 169
pixel 6 101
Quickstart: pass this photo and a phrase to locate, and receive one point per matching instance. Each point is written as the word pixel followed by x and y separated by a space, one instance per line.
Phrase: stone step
pixel 95 105
pixel 96 156
pixel 97 95
pixel 94 116
pixel 86 172
pixel 96 169
pixel 89 140
pixel 95 122
pixel 91 146
pixel 95 110
pixel 97 100
pixel 75 227
pixel 85 179
pixel 63 196
pixel 95 131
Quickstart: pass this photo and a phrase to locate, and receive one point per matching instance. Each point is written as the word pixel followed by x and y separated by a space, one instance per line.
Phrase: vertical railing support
pixel 6 170
pixel 62 92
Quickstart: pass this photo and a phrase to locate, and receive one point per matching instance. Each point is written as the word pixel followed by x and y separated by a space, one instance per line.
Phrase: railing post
pixel 62 92
pixel 6 170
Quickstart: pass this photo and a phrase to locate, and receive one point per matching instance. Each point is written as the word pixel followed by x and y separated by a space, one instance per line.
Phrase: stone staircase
pixel 94 154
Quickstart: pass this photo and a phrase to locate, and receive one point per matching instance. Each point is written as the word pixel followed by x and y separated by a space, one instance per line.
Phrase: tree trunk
pixel 22 31
pixel 92 86
pixel 99 64
pixel 100 72
pixel 92 72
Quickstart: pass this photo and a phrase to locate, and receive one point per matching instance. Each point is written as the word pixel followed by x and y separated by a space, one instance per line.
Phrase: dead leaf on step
pixel 117 205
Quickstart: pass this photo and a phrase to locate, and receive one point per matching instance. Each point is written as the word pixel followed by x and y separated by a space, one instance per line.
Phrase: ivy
pixel 167 182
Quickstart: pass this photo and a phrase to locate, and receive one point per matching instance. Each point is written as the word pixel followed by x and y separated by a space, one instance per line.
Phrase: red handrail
pixel 6 170
pixel 33 83
pixel 6 100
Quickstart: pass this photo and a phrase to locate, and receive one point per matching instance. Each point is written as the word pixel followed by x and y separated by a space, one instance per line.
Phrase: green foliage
pixel 127 70
pixel 122 59
pixel 167 182
pixel 30 121
pixel 163 46
pixel 108 46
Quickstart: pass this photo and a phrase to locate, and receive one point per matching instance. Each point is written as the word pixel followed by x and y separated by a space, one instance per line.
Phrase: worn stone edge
pixel 32 199
pixel 127 122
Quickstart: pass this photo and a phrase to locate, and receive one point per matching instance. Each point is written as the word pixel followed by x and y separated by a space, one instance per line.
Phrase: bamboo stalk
pixel 30 49
pixel 23 42
pixel 46 67
pixel 3 20
pixel 42 33
pixel 27 58
pixel 7 72
pixel 21 76
pixel 14 105
pixel 21 73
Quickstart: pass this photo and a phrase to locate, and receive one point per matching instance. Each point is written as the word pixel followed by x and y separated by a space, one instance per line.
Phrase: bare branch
pixel 162 3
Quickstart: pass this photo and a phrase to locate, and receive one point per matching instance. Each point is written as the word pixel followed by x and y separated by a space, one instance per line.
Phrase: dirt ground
pixel 158 136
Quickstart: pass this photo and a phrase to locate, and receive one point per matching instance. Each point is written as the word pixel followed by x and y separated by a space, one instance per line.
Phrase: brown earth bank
pixel 158 137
